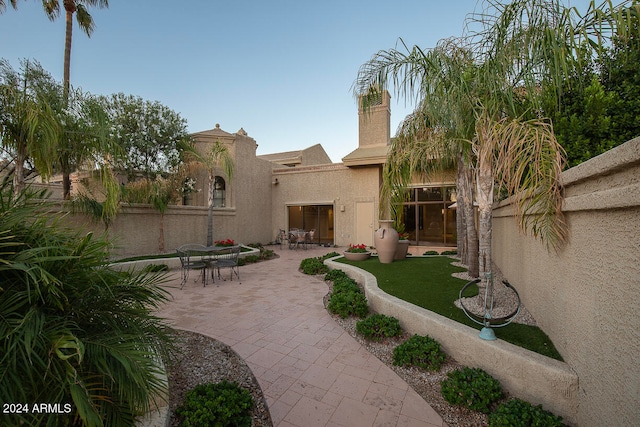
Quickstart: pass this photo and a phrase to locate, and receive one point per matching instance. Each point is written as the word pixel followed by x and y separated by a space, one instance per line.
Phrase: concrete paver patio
pixel 312 372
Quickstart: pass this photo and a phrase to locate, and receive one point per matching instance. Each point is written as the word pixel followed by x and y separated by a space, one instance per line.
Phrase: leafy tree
pixel 28 127
pixel 149 133
pixel 74 329
pixel 600 105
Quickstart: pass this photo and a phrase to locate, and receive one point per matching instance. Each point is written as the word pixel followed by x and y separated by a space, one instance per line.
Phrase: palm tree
pixel 74 330
pixel 3 4
pixel 28 127
pixel 216 157
pixel 84 19
pixel 436 136
pixel 490 101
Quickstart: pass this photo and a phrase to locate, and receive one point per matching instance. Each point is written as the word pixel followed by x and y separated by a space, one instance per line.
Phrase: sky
pixel 282 70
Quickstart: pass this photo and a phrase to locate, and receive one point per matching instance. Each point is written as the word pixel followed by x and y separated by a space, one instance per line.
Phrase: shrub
pixel 378 326
pixel 153 268
pixel 346 304
pixel 471 387
pixel 334 275
pixel 330 255
pixel 313 266
pixel 345 284
pixel 74 329
pixel 249 259
pixel 221 404
pixel 430 253
pixel 449 253
pixel 420 351
pixel 518 413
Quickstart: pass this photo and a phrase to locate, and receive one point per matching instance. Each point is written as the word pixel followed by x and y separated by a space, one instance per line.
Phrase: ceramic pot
pixel 386 241
pixel 357 256
pixel 402 249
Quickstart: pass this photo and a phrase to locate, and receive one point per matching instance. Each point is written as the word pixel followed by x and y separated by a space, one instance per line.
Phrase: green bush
pixel 73 328
pixel 313 266
pixel 346 304
pixel 153 268
pixel 249 259
pixel 518 413
pixel 378 326
pixel 345 284
pixel 420 351
pixel 449 253
pixel 471 387
pixel 221 404
pixel 334 275
pixel 330 255
pixel 430 253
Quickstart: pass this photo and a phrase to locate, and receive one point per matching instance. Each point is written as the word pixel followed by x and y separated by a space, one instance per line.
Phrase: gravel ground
pixel 204 359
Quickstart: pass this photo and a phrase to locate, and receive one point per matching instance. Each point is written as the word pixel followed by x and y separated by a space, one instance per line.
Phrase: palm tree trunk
pixel 471 231
pixel 461 229
pixel 18 172
pixel 70 8
pixel 485 184
pixel 210 213
pixel 161 236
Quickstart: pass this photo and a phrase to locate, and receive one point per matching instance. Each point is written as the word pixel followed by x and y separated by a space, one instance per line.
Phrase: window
pixel 219 192
pixel 427 217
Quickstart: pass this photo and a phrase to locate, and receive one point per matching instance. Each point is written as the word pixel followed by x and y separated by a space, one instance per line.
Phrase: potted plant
pixel 357 253
pixel 403 242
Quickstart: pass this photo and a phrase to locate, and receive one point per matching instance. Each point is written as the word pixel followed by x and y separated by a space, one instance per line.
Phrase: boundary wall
pixel 586 296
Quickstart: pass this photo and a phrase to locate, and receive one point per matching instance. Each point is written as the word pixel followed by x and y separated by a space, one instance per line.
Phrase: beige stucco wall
pixel 587 295
pixel 334 184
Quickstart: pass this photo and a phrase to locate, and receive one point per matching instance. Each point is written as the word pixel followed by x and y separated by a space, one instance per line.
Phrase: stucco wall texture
pixel 586 296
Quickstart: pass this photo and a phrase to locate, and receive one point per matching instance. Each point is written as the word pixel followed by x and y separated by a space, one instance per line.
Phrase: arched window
pixel 219 193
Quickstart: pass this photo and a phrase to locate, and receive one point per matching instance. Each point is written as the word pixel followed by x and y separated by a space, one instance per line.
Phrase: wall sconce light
pixel 275 182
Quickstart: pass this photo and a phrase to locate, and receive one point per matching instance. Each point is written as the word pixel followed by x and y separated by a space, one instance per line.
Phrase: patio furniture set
pixel 212 258
pixel 296 238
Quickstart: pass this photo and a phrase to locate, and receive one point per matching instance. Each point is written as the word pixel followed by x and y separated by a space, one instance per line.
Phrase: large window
pixel 427 216
pixel 313 217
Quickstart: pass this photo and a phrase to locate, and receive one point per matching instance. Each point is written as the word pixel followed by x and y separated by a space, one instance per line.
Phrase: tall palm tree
pixel 491 102
pixel 435 137
pixel 84 19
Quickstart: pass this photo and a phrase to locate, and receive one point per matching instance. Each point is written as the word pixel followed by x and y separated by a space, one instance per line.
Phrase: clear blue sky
pixel 280 69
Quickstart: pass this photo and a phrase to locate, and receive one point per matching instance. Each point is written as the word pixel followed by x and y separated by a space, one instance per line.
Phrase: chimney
pixel 374 125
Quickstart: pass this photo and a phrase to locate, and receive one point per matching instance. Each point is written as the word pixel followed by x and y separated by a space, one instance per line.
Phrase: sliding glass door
pixel 313 217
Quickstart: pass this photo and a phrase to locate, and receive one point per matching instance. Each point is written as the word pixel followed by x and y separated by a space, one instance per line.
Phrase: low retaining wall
pixel 173 262
pixel 525 374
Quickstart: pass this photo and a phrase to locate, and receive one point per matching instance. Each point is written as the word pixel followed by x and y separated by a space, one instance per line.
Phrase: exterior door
pixel 364 223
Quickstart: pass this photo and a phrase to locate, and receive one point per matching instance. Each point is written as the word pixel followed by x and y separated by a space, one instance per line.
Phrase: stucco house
pixel 304 189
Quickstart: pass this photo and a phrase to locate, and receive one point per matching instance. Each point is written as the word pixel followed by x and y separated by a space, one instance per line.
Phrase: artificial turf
pixel 427 283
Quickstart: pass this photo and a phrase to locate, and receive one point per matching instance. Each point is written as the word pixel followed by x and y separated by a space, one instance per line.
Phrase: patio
pixel 311 371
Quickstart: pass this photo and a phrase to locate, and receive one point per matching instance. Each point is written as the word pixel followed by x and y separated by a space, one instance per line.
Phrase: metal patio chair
pixel 228 258
pixel 190 261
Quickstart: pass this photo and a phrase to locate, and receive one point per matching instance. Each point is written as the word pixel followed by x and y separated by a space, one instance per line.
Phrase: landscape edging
pixel 523 373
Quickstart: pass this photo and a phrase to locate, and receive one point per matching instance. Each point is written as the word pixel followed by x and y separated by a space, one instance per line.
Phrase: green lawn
pixel 427 282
